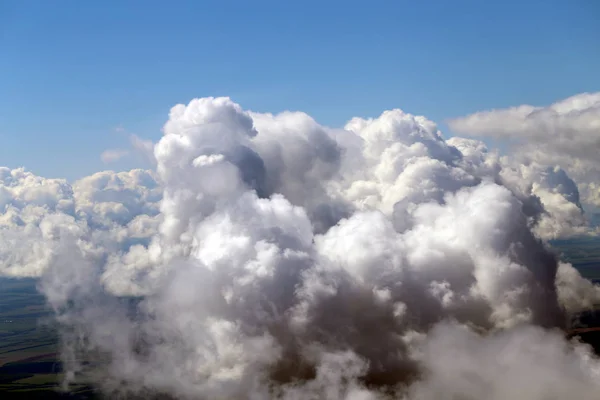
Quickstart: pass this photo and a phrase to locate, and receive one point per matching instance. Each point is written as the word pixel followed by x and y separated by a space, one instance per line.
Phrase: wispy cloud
pixel 112 155
pixel 139 146
pixel 143 147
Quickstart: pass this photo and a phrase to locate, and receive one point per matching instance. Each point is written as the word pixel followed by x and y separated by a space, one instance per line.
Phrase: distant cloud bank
pixel 566 133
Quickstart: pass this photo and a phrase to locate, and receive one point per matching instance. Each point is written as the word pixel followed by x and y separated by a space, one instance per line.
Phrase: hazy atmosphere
pixel 266 200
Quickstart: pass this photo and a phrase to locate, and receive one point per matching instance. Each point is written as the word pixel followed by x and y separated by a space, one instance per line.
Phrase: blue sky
pixel 73 71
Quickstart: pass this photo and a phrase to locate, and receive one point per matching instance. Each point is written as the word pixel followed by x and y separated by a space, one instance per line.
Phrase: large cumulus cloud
pixel 272 257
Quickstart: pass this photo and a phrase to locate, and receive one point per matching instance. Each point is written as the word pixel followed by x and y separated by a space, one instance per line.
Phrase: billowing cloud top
pixel 269 256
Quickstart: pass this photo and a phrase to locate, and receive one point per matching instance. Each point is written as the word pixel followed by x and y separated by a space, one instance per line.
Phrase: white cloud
pixel 566 133
pixel 143 147
pixel 105 212
pixel 277 258
pixel 140 147
pixel 525 363
pixel 577 117
pixel 112 155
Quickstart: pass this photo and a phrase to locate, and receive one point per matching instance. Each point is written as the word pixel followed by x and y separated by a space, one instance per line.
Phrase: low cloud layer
pixel 103 213
pixel 566 133
pixel 268 256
